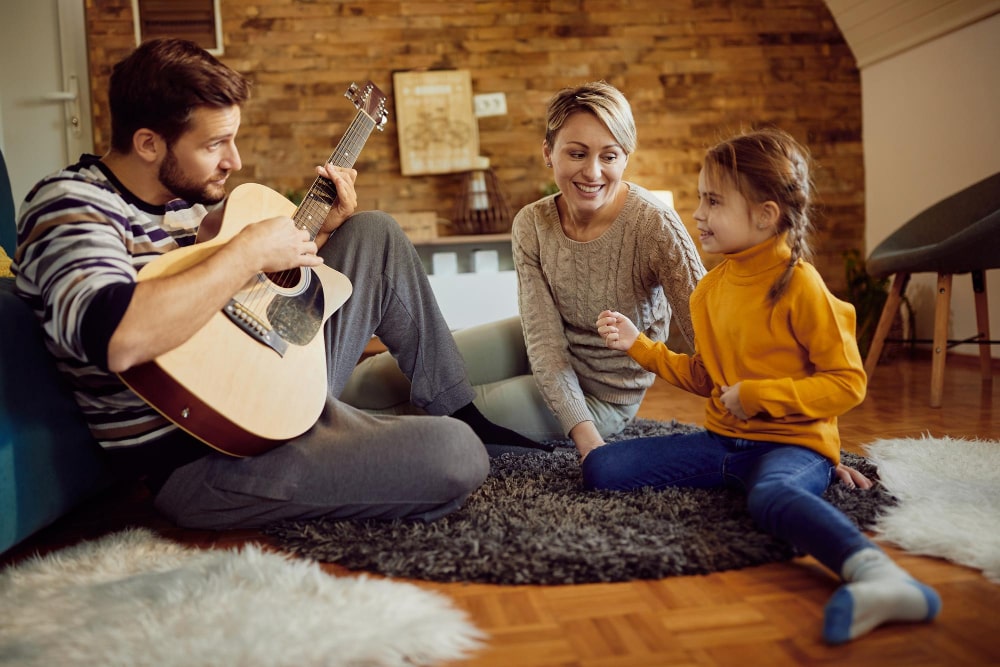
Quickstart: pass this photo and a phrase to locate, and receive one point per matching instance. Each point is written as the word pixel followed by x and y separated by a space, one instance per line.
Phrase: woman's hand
pixel 586 437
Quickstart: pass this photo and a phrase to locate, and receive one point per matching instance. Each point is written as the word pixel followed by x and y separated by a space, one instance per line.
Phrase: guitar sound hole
pixel 285 279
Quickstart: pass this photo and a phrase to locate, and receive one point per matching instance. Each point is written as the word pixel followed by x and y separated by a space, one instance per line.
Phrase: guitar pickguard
pixel 275 316
pixel 298 319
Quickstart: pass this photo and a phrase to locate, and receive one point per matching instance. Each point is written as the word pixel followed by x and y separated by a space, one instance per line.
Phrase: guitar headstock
pixel 371 100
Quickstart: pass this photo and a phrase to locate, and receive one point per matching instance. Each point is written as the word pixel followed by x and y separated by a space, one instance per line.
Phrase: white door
pixel 45 119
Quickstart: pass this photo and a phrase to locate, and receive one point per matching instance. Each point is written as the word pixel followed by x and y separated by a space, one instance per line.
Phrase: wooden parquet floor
pixel 769 615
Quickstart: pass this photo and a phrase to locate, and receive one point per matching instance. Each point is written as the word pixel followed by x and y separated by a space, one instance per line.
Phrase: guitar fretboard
pixel 322 195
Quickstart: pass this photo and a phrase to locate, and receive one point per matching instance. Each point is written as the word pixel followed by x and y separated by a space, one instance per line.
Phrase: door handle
pixel 70 97
pixel 60 96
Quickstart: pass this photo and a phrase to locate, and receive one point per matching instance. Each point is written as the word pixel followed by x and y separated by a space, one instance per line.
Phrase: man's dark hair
pixel 161 83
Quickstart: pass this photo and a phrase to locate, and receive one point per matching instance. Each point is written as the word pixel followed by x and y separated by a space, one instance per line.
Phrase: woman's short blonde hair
pixel 603 100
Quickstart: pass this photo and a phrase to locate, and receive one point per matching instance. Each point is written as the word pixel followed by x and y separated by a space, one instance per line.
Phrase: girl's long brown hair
pixel 769 165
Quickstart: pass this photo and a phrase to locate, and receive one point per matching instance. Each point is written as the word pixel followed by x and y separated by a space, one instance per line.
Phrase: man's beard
pixel 174 180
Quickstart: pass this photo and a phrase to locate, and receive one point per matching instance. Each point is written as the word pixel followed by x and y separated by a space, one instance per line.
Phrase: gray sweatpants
pixel 352 464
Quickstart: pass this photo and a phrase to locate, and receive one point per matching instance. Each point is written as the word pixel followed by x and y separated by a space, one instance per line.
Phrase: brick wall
pixel 694 71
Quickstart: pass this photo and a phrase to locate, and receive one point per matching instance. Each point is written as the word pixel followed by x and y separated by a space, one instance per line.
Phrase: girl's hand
pixel 730 398
pixel 851 477
pixel 617 330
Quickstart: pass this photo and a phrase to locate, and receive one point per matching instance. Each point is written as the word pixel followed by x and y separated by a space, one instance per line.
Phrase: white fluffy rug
pixel 133 598
pixel 949 498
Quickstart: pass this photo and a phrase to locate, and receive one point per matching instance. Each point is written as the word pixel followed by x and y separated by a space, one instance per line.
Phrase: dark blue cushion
pixel 48 460
pixel 7 222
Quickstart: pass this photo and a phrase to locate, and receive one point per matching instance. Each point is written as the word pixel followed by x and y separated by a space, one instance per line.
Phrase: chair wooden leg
pixel 942 306
pixel 889 310
pixel 983 324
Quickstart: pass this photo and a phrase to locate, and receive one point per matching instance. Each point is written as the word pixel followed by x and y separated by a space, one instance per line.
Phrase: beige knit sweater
pixel 645 266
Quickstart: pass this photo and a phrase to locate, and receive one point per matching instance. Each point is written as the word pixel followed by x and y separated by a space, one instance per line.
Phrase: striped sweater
pixel 82 238
pixel 644 265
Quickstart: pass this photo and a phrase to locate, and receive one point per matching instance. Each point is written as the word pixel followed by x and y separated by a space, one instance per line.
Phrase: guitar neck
pixel 323 194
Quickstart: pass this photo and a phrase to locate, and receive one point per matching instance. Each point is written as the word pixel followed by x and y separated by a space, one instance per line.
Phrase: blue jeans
pixel 784 484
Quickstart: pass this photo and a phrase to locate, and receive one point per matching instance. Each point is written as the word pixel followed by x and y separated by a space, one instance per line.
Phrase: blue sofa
pixel 49 462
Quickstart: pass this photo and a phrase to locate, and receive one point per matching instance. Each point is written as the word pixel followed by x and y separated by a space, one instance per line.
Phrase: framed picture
pixel 196 20
pixel 438 131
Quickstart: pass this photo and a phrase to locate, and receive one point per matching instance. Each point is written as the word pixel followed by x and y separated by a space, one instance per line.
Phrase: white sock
pixel 877 591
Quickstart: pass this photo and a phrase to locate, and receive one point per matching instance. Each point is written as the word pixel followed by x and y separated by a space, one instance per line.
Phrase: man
pixel 84 233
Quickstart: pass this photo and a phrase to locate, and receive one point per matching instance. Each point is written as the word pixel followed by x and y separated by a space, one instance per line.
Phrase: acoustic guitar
pixel 255 375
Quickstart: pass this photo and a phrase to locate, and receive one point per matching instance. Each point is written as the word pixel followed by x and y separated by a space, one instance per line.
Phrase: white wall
pixel 932 127
pixel 42 45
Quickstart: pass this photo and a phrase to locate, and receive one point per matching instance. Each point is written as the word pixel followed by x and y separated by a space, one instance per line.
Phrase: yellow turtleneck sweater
pixel 797 359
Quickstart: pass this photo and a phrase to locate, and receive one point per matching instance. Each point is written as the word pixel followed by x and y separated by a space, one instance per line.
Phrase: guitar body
pixel 225 386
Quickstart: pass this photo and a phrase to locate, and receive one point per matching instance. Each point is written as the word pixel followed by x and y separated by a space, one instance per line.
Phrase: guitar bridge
pixel 253 327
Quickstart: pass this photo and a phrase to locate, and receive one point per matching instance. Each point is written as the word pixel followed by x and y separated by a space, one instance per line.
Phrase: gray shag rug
pixel 532 523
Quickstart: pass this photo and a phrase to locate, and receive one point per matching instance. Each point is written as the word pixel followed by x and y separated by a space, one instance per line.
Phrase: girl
pixel 776 356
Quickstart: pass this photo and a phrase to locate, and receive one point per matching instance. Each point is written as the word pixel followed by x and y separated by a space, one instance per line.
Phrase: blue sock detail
pixel 838 616
pixel 933 600
pixel 839 620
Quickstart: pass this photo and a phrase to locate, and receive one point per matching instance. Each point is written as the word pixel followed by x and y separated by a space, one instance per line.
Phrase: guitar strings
pixel 311 213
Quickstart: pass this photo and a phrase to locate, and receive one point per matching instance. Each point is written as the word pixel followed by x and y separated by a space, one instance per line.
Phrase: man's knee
pixel 374 224
pixel 462 462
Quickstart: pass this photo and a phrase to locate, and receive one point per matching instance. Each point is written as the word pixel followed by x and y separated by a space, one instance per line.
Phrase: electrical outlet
pixel 489 104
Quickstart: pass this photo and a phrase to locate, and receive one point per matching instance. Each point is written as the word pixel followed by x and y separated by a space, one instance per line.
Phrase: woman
pixel 599 241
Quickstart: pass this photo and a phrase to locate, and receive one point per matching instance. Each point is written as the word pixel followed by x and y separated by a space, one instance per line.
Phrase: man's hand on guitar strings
pixel 277 244
pixel 343 179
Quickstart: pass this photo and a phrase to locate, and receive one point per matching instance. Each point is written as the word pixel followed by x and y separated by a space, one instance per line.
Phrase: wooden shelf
pixel 465 239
